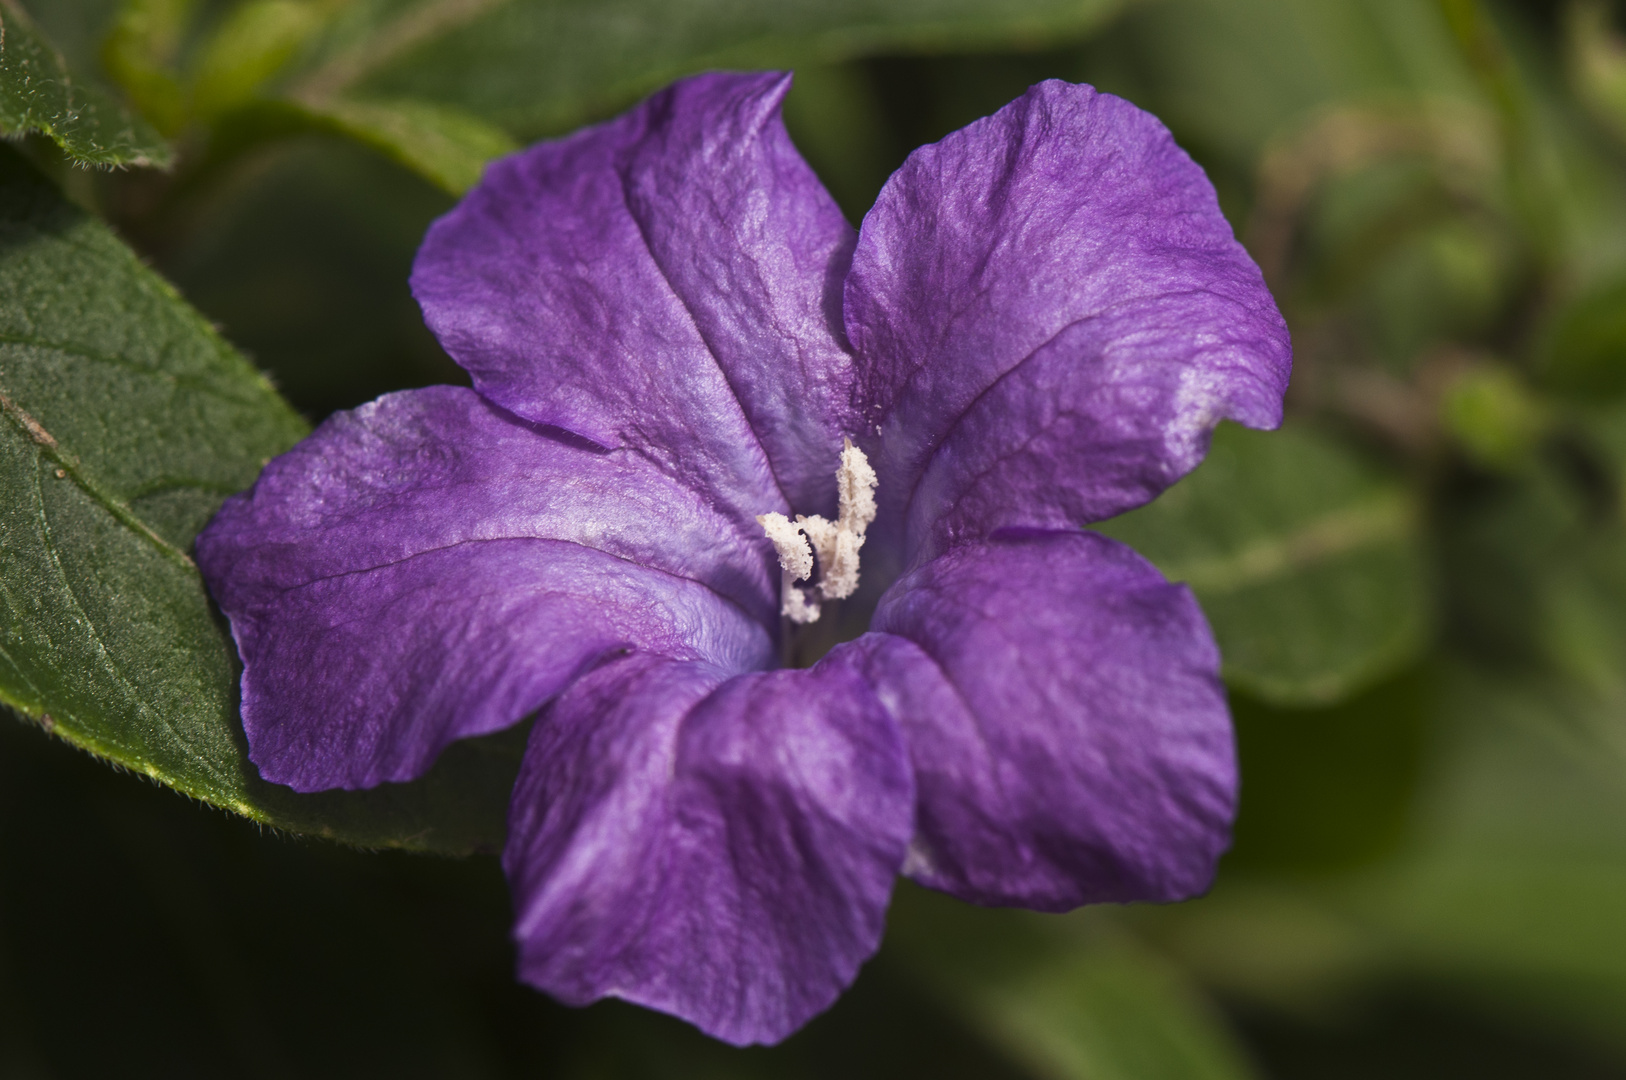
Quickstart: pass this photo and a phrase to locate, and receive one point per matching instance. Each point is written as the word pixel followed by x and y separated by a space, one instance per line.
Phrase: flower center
pixel 835 544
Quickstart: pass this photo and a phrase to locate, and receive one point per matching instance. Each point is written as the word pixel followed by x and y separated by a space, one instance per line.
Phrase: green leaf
pixel 1505 896
pixel 1492 415
pixel 1238 73
pixel 1585 349
pixel 254 42
pixel 38 93
pixel 1532 563
pixel 446 146
pixel 1070 997
pixel 1334 787
pixel 541 66
pixel 1597 62
pixel 140 53
pixel 1514 893
pixel 127 420
pixel 835 118
pixel 1306 560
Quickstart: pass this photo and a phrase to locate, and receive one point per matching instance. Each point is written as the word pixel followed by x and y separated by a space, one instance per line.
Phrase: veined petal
pixel 720 849
pixel 1063 710
pixel 667 281
pixel 429 567
pixel 1049 315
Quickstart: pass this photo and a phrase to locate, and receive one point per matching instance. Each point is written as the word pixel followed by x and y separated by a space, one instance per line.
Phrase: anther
pixel 835 545
pixel 795 564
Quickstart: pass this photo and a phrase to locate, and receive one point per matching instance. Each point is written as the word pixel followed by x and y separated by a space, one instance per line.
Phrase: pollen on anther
pixel 795 564
pixel 835 545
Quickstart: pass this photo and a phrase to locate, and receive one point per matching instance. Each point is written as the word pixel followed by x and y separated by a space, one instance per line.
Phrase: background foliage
pixel 1419 584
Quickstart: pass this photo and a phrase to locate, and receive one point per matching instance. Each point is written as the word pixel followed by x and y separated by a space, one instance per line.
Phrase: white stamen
pixel 840 574
pixel 821 534
pixel 789 544
pixel 835 545
pixel 795 564
pixel 855 480
pixel 797 607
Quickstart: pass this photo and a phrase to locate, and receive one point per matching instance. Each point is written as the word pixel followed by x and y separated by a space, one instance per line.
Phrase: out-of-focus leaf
pixel 1512 892
pixel 1307 562
pixel 1533 560
pixel 308 267
pixel 78 28
pixel 127 420
pixel 219 952
pixel 1329 788
pixel 1582 589
pixel 1072 998
pixel 140 53
pixel 445 146
pixel 38 93
pixel 535 67
pixel 1505 896
pixel 1597 62
pixel 834 116
pixel 1492 416
pixel 253 43
pixel 1585 354
pixel 1390 210
pixel 1237 73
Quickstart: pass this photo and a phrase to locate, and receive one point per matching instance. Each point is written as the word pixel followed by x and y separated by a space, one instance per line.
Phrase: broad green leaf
pixel 541 66
pixel 440 86
pixel 38 93
pixel 1071 998
pixel 1306 560
pixel 127 420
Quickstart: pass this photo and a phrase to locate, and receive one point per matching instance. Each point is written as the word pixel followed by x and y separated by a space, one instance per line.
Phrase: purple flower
pixel 671 330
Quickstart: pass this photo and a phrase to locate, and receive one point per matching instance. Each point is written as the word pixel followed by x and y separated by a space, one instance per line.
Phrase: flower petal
pixel 1065 718
pixel 720 849
pixel 429 567
pixel 669 281
pixel 1049 315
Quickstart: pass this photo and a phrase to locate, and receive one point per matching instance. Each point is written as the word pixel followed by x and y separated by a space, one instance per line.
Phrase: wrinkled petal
pixel 1049 315
pixel 1068 729
pixel 720 849
pixel 669 281
pixel 429 567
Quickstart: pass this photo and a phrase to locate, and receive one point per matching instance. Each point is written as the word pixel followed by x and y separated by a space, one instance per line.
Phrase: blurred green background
pixel 1419 585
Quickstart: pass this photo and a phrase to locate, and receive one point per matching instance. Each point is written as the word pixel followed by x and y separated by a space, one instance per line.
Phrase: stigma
pixel 834 545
